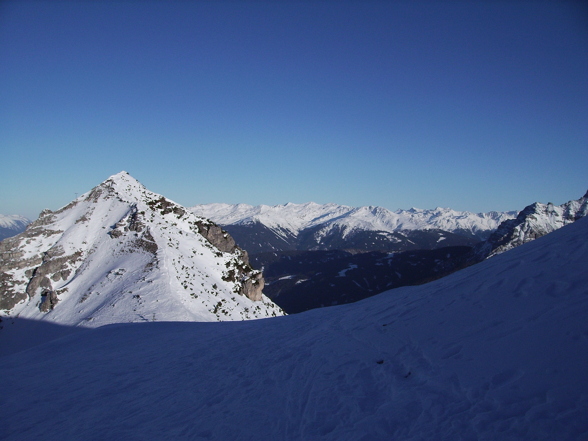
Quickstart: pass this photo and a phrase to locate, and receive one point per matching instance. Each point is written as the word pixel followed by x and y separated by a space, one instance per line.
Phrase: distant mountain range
pixel 11 225
pixel 120 253
pixel 314 226
pixel 311 255
pixel 321 255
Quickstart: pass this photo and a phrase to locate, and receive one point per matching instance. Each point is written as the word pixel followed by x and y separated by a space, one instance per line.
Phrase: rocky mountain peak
pixel 532 222
pixel 122 246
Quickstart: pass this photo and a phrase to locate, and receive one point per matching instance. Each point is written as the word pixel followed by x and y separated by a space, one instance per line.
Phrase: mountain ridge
pixel 313 226
pixel 297 217
pixel 121 253
pixel 534 221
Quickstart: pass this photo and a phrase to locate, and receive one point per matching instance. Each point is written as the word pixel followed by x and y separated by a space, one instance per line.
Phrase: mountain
pixel 303 248
pixel 120 253
pixel 534 221
pixel 313 226
pixel 497 351
pixel 12 225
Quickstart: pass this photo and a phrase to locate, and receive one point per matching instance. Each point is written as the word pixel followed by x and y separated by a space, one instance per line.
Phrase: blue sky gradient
pixel 476 106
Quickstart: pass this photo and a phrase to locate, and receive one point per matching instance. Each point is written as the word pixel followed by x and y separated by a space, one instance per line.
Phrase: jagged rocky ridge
pixel 532 222
pixel 121 253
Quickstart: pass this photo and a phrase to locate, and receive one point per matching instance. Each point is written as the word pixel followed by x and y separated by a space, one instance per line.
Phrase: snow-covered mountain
pixel 120 253
pixel 330 226
pixel 534 221
pixel 498 351
pixel 12 225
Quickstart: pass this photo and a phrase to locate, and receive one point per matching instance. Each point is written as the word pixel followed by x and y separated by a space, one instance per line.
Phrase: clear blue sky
pixel 476 106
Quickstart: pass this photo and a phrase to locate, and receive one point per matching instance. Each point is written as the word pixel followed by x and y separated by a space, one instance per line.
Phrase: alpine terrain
pixel 120 253
pixel 321 255
pixel 534 221
pixel 12 225
pixel 497 351
pixel 314 226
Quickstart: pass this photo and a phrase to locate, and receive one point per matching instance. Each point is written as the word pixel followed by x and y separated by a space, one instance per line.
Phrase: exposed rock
pixel 10 294
pixel 253 287
pixel 49 300
pixel 532 222
pixel 217 236
pixel 53 267
pixel 165 206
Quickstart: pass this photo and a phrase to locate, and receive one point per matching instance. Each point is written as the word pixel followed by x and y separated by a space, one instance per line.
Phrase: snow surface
pixel 498 351
pixel 294 218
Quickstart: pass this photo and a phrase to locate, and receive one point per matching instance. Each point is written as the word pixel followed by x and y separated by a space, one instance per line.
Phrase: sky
pixel 470 105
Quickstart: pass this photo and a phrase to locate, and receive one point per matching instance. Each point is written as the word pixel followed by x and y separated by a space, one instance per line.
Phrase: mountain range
pixel 314 226
pixel 120 253
pixel 316 255
pixel 11 225
pixel 497 351
pixel 321 255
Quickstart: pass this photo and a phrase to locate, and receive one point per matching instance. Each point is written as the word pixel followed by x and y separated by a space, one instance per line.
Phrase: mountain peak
pixel 125 247
pixel 123 182
pixel 120 174
pixel 533 221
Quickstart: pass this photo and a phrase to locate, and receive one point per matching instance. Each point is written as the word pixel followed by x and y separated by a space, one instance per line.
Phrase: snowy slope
pixel 12 225
pixel 120 253
pixel 294 218
pixel 498 351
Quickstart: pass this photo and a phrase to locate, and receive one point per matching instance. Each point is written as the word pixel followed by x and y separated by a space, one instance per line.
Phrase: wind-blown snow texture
pixel 120 253
pixel 498 351
pixel 293 218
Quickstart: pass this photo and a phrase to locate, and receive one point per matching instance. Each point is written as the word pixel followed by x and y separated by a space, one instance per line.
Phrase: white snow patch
pixel 343 273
